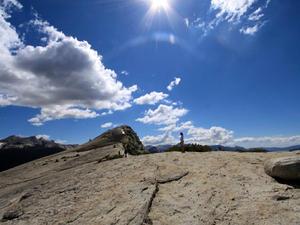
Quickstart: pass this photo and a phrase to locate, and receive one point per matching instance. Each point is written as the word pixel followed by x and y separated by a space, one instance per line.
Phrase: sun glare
pixel 157 5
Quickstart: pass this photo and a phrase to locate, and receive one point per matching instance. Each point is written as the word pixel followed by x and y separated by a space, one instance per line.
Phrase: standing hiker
pixel 182 142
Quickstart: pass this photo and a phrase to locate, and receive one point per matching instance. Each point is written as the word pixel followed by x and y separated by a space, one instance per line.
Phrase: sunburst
pixel 158 5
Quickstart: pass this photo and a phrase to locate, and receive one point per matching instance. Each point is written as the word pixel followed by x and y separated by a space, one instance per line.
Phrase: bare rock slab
pixel 286 168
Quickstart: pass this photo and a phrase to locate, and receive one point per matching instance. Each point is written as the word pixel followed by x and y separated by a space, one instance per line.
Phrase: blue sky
pixel 222 72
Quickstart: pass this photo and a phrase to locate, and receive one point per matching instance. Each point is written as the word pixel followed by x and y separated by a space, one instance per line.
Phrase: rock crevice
pixel 160 180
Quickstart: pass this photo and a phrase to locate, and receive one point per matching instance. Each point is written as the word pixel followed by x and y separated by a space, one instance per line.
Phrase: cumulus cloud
pixel 168 117
pixel 163 115
pixel 174 83
pixel 107 125
pixel 161 139
pixel 150 98
pixel 57 112
pixel 216 135
pixel 11 39
pixel 200 135
pixel 210 136
pixel 65 74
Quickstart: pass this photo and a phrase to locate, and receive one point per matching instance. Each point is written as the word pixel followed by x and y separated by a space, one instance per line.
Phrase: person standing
pixel 182 142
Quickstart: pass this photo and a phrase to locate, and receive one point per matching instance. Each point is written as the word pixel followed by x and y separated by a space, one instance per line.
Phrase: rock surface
pixel 95 187
pixel 286 168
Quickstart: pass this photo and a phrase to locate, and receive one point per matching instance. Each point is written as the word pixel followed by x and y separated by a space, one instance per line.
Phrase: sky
pixel 220 71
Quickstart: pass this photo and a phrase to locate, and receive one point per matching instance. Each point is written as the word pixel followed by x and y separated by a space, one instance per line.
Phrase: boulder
pixel 286 168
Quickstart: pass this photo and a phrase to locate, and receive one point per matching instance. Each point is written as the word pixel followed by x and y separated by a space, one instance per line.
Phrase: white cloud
pixel 231 10
pixel 6 100
pixel 216 135
pixel 271 141
pixel 109 112
pixel 66 74
pixel 236 13
pixel 211 136
pixel 10 3
pixel 187 22
pixel 249 30
pixel 206 136
pixel 174 83
pixel 59 141
pixel 107 125
pixel 150 98
pixel 124 72
pixel 161 139
pixel 11 39
pixel 47 137
pixel 61 112
pixel 163 115
pixel 43 136
pixel 256 15
pixel 200 135
pixel 174 128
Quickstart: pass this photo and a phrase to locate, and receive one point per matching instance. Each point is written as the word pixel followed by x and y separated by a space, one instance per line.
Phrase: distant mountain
pixel 158 148
pixel 15 150
pixel 278 149
pixel 227 148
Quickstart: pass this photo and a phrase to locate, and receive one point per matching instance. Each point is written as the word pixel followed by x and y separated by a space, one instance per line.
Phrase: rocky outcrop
pixel 15 150
pixel 122 134
pixel 286 168
pixel 93 187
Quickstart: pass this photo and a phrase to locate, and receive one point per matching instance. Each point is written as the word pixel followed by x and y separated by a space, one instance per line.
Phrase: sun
pixel 157 5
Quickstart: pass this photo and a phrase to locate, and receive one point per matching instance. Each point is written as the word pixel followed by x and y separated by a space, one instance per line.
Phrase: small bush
pixel 190 148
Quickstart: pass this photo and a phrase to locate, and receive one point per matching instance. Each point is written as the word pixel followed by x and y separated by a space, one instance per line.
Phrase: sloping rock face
pixel 92 187
pixel 286 168
pixel 122 134
pixel 16 150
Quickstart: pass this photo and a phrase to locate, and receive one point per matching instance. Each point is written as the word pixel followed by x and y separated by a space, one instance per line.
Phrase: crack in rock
pixel 147 220
pixel 168 179
pixel 162 180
